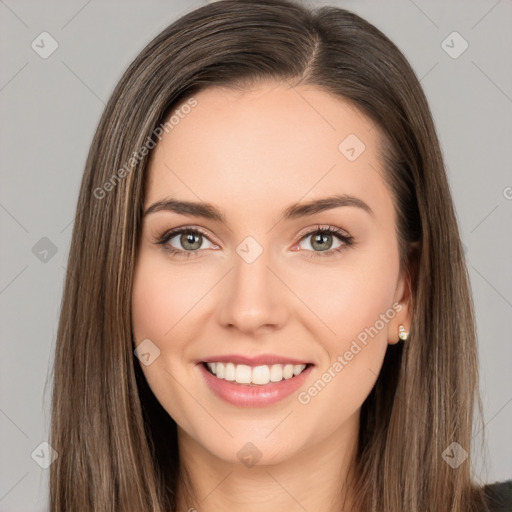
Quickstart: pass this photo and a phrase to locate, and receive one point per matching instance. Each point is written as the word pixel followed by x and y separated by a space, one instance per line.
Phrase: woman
pixel 267 303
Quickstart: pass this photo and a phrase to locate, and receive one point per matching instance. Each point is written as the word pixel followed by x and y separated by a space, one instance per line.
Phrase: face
pixel 259 278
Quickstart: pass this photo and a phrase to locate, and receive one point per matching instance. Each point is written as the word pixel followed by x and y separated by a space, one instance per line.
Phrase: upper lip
pixel 263 359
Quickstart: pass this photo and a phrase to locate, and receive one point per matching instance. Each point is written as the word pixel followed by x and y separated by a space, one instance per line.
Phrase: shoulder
pixel 498 496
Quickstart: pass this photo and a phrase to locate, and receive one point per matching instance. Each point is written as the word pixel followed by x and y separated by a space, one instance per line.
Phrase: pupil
pixel 191 238
pixel 322 239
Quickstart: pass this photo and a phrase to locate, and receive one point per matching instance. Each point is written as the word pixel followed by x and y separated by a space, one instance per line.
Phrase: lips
pixel 248 394
pixel 260 360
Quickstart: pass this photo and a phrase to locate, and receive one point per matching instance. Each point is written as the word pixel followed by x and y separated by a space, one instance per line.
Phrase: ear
pixel 402 300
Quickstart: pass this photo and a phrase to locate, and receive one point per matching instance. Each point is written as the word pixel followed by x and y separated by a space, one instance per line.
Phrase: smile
pixel 257 375
pixel 254 386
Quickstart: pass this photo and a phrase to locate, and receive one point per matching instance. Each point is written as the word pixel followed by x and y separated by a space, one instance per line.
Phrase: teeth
pixel 229 371
pixel 288 371
pixel 297 368
pixel 221 371
pixel 242 374
pixel 276 372
pixel 260 375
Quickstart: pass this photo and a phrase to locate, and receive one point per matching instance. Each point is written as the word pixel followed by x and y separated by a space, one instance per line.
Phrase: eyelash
pixel 347 241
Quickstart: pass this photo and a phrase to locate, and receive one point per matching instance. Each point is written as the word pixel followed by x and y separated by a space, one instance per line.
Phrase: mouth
pixel 260 375
pixel 260 385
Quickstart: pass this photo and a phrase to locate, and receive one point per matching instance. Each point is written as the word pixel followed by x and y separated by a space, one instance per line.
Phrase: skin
pixel 253 154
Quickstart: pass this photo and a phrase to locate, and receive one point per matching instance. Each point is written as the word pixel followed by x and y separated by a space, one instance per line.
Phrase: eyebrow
pixel 294 211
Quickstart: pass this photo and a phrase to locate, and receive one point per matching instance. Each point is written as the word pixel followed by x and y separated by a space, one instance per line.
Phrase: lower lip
pixel 244 395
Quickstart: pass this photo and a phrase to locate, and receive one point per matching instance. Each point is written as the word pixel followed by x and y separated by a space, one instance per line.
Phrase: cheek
pixel 160 302
pixel 353 306
pixel 357 305
pixel 350 297
pixel 151 306
pixel 161 299
pixel 162 296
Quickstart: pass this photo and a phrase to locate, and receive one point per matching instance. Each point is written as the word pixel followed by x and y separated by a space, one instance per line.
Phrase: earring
pixel 402 333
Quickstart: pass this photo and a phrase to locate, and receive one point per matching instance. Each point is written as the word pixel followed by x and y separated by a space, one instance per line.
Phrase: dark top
pixel 499 496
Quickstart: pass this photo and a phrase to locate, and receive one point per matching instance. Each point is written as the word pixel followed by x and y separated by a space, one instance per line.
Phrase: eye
pixel 187 241
pixel 323 239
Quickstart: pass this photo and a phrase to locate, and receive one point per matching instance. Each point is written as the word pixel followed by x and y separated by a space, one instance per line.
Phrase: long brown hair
pixel 117 447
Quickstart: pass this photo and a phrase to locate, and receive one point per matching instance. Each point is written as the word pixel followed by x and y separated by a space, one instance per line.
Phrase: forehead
pixel 268 145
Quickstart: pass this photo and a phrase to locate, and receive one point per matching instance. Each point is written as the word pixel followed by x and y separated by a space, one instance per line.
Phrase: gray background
pixel 50 108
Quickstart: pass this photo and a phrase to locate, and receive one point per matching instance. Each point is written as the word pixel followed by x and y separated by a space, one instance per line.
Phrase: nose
pixel 254 298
